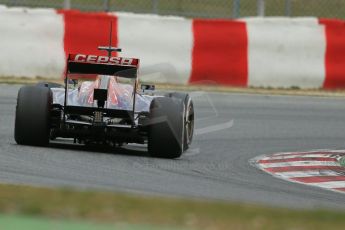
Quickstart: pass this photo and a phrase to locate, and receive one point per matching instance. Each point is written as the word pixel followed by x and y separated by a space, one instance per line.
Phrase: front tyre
pixel 32 122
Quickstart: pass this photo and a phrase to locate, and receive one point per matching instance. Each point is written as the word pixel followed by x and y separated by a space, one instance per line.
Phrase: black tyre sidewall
pixel 166 128
pixel 187 101
pixel 32 122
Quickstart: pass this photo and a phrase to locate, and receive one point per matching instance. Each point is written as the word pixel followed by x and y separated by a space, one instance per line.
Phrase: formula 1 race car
pixel 108 110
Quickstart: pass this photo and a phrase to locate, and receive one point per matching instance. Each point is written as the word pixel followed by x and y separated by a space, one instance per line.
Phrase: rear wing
pixel 102 65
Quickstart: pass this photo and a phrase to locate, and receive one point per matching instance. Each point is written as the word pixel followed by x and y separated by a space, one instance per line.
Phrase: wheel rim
pixel 189 124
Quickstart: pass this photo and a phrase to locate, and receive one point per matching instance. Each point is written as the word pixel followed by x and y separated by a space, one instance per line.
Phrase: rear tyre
pixel 188 117
pixel 32 122
pixel 166 128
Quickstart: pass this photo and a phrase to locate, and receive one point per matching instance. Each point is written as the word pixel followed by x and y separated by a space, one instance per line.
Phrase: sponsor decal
pixel 103 59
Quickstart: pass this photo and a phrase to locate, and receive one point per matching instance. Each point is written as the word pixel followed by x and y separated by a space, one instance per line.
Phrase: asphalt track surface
pixel 231 130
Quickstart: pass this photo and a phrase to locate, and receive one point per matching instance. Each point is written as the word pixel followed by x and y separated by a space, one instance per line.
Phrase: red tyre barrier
pixel 255 52
pixel 220 52
pixel 335 53
pixel 84 32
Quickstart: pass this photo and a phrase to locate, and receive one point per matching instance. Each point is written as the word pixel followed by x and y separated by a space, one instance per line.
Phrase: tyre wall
pixel 258 52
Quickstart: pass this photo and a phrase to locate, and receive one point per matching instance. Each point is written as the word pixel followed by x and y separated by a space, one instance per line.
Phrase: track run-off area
pixel 232 131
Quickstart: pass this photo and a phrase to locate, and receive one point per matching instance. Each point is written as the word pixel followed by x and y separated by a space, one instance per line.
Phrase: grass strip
pixel 205 8
pixel 107 207
pixel 36 223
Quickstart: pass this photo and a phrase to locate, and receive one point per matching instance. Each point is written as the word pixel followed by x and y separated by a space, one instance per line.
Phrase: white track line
pixel 298 156
pixel 299 163
pixel 308 173
pixel 330 184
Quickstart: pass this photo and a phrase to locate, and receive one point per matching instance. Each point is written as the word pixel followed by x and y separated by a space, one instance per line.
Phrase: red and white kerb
pixel 316 168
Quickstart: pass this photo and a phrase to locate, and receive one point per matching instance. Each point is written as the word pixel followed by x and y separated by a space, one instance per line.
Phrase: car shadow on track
pixel 128 150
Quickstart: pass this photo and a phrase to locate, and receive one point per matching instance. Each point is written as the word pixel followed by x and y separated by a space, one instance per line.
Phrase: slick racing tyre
pixel 165 137
pixel 188 127
pixel 32 122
